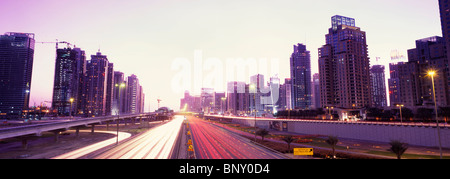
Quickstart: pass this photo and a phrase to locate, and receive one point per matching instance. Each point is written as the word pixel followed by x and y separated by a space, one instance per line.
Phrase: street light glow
pixel 431 73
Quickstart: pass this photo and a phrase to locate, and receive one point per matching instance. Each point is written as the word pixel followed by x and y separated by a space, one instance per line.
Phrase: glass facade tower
pixel 16 65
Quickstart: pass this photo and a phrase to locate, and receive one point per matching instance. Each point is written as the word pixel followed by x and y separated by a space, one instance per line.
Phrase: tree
pixel 262 133
pixel 398 148
pixel 288 139
pixel 332 141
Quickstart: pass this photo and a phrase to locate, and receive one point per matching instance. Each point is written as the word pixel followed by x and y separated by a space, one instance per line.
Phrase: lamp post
pixel 253 88
pixel 71 102
pixel 432 73
pixel 118 109
pixel 400 106
pixel 223 112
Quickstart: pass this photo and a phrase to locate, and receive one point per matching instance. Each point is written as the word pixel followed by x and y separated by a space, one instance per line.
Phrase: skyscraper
pixel 119 91
pixel 316 91
pixel 301 77
pixel 415 85
pixel 134 103
pixel 236 98
pixel 444 7
pixel 16 65
pixel 97 85
pixel 70 67
pixel 256 94
pixel 378 86
pixel 344 66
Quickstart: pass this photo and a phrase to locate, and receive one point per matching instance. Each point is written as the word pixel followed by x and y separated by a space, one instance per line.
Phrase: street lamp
pixel 432 73
pixel 400 106
pixel 253 88
pixel 223 112
pixel 71 102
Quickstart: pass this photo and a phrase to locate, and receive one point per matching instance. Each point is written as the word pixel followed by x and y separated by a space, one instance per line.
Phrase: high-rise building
pixel 394 84
pixel 316 91
pixel 96 86
pixel 415 85
pixel 207 96
pixel 301 77
pixel 109 89
pixel 70 68
pixel 378 86
pixel 444 7
pixel 344 66
pixel 190 103
pixel 133 104
pixel 16 65
pixel 236 99
pixel 285 95
pixel 219 104
pixel 257 92
pixel 119 91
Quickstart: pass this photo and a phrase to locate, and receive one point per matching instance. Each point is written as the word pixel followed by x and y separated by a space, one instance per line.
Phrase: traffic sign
pixel 303 151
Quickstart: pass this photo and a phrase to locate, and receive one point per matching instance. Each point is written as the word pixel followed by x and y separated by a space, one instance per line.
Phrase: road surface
pixel 94 147
pixel 213 142
pixel 156 143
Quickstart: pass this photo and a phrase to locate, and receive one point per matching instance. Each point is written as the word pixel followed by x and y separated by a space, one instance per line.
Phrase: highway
pixel 94 147
pixel 213 142
pixel 156 143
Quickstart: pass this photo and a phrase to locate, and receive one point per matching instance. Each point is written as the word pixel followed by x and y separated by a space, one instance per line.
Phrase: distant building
pixel 219 104
pixel 316 91
pixel 300 66
pixel 236 98
pixel 16 65
pixel 378 86
pixel 394 84
pixel 70 67
pixel 133 95
pixel 190 103
pixel 119 94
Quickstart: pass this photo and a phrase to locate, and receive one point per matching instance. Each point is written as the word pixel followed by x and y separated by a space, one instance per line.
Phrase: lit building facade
pixel 378 86
pixel 300 66
pixel 70 68
pixel 344 66
pixel 96 86
pixel 16 65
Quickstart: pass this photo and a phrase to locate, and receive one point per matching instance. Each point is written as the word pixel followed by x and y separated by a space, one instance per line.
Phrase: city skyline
pixel 176 29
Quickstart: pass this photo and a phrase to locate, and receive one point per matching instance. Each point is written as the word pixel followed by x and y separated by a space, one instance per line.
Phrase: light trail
pixel 156 143
pixel 212 142
pixel 91 148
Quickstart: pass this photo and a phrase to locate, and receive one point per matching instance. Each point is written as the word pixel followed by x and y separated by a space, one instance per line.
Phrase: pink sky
pixel 145 37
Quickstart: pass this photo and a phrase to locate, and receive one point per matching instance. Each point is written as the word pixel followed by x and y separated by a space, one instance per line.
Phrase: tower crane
pixel 57 42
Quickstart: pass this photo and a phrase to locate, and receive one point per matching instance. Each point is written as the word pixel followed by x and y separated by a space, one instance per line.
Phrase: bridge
pixel 57 126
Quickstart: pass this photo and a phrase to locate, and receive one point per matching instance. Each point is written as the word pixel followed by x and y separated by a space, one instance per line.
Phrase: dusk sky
pixel 145 37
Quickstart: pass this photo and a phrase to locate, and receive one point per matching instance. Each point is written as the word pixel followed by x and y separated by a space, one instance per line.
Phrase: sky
pixel 178 45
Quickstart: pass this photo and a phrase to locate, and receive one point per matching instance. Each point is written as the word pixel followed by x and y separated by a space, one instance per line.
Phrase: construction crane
pixel 57 42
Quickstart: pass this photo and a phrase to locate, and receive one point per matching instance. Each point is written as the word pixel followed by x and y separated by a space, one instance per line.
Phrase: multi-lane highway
pixel 94 147
pixel 213 142
pixel 156 143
